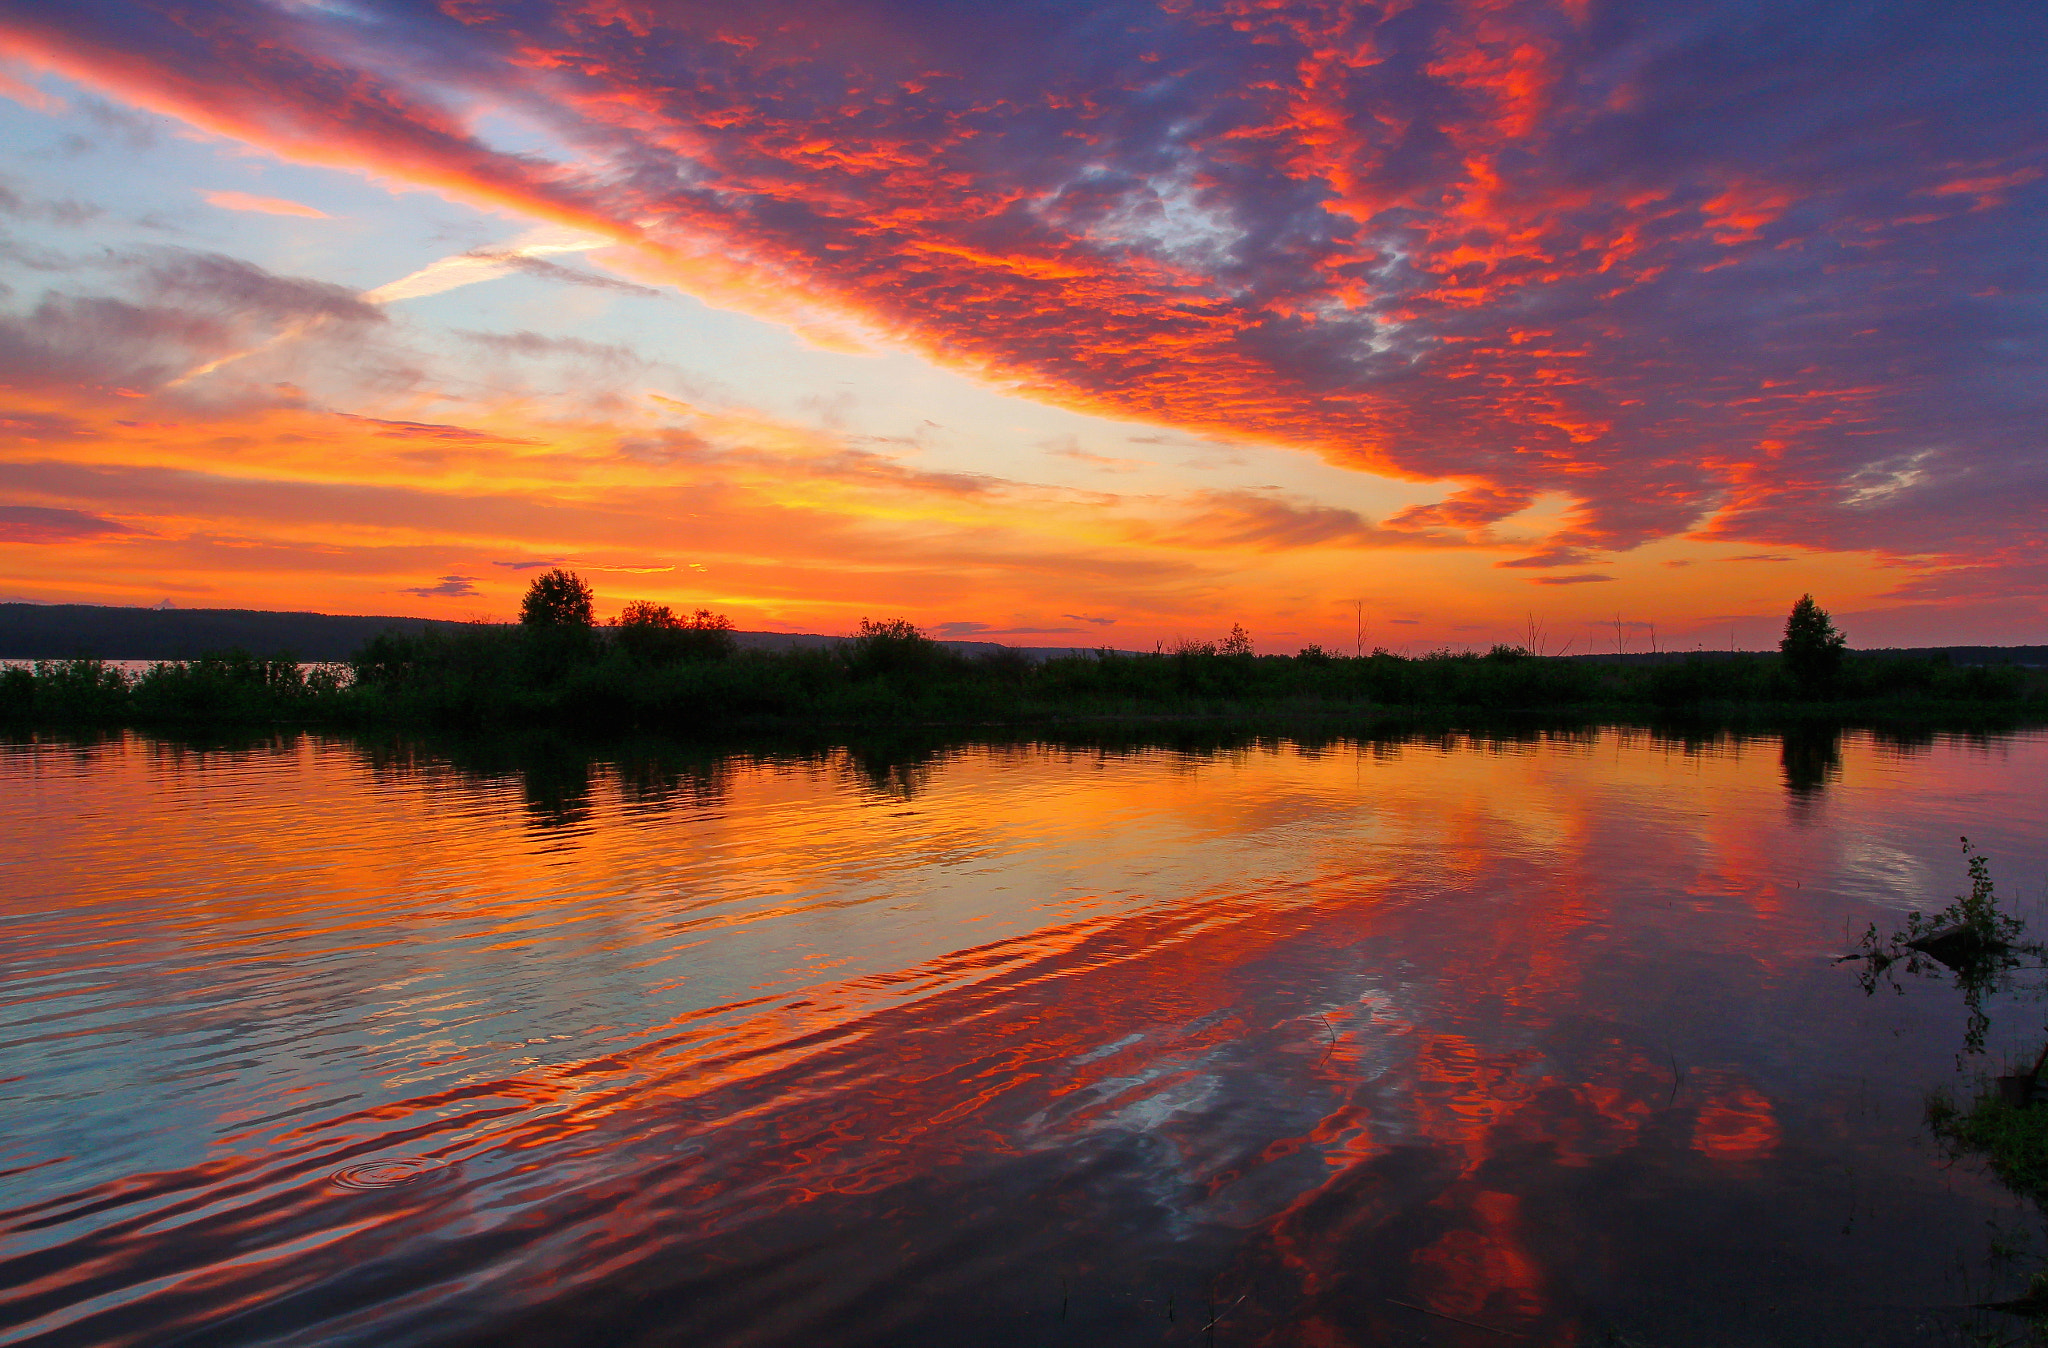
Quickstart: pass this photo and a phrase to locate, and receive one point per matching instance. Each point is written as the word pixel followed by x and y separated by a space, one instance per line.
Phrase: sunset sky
pixel 1047 323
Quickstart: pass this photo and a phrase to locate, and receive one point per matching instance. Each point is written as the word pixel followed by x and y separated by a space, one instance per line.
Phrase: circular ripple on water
pixel 395 1173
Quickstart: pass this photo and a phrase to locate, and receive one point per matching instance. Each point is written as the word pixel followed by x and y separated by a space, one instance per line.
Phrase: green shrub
pixel 652 634
pixel 79 690
pixel 234 686
pixel 893 646
pixel 2013 1138
pixel 17 694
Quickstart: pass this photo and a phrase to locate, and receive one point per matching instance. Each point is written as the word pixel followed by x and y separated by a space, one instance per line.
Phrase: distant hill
pixel 62 631
pixel 2032 657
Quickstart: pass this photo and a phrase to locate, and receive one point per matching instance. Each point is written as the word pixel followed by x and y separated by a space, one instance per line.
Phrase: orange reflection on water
pixel 1484 1270
pixel 798 1041
pixel 1736 1125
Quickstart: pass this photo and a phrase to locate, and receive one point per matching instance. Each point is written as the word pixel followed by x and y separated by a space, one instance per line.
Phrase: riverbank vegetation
pixel 654 669
pixel 2002 1122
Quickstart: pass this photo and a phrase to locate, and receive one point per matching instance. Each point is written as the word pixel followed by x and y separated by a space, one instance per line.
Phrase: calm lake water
pixel 1439 1040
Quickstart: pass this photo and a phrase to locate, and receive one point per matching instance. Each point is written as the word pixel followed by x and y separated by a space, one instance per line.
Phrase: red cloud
pixel 1490 242
pixel 1989 189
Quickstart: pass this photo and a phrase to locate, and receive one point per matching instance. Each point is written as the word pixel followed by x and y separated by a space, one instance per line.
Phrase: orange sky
pixel 1447 329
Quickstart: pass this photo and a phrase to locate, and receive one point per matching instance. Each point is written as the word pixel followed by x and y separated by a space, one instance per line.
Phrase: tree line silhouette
pixel 653 668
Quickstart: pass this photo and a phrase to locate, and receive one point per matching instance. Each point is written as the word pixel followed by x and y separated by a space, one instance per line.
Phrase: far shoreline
pixel 652 669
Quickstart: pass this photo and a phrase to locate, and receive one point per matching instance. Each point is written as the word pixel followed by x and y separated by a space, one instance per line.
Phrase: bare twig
pixel 1216 1317
pixel 1504 1333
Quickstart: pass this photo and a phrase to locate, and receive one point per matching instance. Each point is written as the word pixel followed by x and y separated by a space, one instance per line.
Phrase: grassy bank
pixel 595 678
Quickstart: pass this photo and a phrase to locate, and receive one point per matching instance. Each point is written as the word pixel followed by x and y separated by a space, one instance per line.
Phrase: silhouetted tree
pixel 652 633
pixel 557 599
pixel 1239 642
pixel 1811 648
pixel 647 613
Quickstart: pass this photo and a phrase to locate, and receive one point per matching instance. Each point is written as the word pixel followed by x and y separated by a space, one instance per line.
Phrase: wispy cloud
pixel 45 524
pixel 1551 557
pixel 448 587
pixel 242 201
pixel 1067 449
pixel 974 631
pixel 529 251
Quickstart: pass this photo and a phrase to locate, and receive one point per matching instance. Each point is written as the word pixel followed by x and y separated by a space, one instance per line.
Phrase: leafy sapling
pixel 1973 938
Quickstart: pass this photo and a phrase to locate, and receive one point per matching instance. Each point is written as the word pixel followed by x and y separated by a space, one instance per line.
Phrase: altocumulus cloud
pixel 1669 261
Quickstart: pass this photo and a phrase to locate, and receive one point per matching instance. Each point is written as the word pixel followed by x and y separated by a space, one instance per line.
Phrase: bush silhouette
pixel 652 634
pixel 891 646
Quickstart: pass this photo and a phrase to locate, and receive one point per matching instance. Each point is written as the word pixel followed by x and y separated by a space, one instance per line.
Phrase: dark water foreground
pixel 1430 1040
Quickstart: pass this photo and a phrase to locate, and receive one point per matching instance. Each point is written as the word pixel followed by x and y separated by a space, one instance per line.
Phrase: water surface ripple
pixel 1421 1040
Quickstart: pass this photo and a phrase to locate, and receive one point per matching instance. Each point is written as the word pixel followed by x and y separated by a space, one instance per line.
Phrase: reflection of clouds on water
pixel 1735 1124
pixel 1237 1120
pixel 1095 1054
pixel 767 1047
pixel 1881 873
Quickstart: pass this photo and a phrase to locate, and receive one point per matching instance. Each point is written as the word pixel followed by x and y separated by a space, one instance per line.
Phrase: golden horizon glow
pixel 366 341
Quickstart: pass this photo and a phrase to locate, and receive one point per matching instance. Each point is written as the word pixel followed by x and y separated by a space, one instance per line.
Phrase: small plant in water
pixel 2012 1137
pixel 1975 939
pixel 2006 1123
